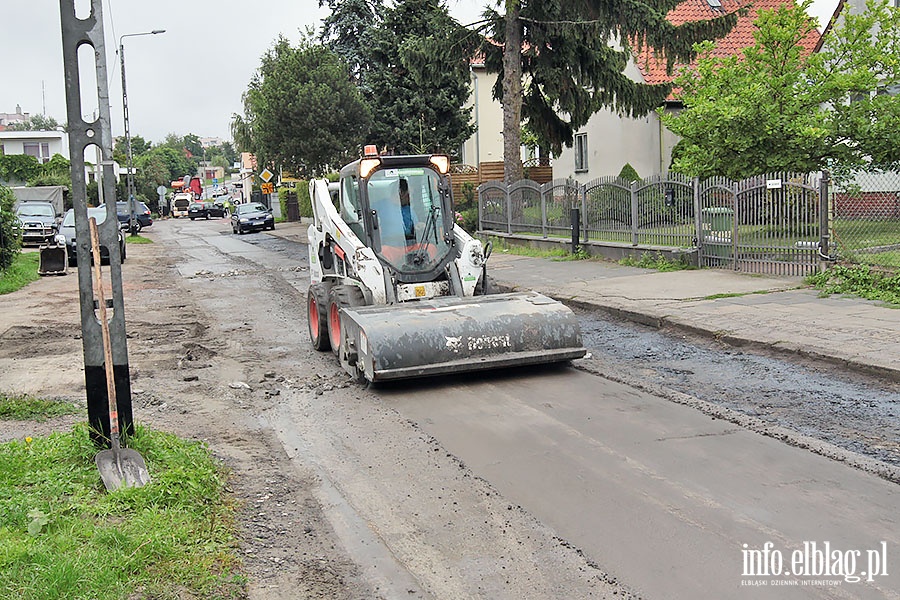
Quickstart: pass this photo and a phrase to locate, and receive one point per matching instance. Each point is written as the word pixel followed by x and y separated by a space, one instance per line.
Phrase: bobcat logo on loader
pixel 454 343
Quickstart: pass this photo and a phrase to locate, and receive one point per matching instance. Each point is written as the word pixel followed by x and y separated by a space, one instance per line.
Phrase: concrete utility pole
pixel 129 155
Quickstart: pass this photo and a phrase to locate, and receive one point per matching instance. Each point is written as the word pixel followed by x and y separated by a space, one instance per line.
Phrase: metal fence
pixel 768 224
pixel 864 212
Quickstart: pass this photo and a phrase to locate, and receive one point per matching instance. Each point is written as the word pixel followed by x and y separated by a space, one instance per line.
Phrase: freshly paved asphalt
pixel 778 313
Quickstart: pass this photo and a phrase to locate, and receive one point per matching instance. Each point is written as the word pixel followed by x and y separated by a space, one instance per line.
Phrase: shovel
pixel 118 466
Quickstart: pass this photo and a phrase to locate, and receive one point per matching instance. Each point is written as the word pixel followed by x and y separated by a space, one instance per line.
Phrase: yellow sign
pixel 268 188
pixel 267 175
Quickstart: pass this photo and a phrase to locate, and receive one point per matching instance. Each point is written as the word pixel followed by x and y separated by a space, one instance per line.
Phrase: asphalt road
pixel 656 495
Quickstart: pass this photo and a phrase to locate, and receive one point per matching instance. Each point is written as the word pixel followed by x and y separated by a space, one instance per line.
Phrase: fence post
pixel 575 218
pixel 508 209
pixel 824 213
pixel 478 192
pixel 698 222
pixel 582 191
pixel 544 209
pixel 634 214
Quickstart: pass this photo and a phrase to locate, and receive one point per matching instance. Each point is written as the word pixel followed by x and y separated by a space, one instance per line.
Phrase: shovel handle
pixel 107 345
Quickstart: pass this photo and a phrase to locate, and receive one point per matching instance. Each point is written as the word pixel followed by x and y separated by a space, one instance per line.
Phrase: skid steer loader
pixel 398 290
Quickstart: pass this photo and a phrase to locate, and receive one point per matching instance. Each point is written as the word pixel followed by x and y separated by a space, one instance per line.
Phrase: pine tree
pixel 561 61
pixel 416 87
pixel 346 31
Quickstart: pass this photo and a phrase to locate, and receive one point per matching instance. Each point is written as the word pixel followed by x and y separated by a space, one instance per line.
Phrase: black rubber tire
pixel 317 316
pixel 341 296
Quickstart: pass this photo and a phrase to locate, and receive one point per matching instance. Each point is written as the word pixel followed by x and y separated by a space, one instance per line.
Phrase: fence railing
pixel 767 224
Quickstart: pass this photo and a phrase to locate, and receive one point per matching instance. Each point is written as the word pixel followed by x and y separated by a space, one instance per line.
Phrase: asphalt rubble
pixel 780 314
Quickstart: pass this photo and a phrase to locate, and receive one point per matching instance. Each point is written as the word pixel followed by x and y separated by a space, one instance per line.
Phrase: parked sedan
pixel 67 229
pixel 199 210
pixel 218 209
pixel 251 217
pixel 141 214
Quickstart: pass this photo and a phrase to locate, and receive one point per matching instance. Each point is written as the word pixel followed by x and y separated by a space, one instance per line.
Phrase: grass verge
pixel 23 271
pixel 858 281
pixel 137 239
pixel 63 536
pixel 655 261
pixel 27 408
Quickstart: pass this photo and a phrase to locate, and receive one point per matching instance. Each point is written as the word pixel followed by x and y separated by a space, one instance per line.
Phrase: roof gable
pixel 653 69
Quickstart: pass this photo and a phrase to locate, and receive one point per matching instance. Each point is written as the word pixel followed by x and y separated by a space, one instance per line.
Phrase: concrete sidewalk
pixel 776 313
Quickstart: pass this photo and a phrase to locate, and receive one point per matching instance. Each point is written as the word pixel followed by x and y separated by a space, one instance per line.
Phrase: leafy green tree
pixel 777 107
pixel 301 111
pixel 417 84
pixel 36 123
pixel 10 241
pixel 346 31
pixel 560 61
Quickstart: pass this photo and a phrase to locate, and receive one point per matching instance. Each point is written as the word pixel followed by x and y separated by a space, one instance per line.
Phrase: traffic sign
pixel 268 188
pixel 267 175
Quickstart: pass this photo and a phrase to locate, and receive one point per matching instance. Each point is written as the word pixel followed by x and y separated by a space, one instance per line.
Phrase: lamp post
pixel 129 176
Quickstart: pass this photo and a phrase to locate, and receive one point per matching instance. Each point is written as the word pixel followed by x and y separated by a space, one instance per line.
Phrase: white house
pixel 40 144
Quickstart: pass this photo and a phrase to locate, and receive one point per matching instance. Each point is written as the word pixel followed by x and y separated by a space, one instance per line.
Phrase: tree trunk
pixel 512 94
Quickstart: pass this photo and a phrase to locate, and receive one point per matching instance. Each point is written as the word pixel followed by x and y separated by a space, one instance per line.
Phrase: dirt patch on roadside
pixel 187 381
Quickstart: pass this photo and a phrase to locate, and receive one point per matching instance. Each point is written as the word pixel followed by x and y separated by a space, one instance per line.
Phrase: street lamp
pixel 129 176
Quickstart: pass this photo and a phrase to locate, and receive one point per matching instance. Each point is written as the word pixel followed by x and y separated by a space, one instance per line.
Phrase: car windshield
pixel 247 208
pixel 197 205
pixel 37 210
pixel 98 213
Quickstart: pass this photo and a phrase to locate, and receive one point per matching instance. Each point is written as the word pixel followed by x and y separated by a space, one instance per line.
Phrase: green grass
pixel 24 408
pixel 63 536
pixel 656 261
pixel 858 281
pixel 137 239
pixel 23 271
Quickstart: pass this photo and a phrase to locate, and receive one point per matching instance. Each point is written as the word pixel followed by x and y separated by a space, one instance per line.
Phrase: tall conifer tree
pixel 565 60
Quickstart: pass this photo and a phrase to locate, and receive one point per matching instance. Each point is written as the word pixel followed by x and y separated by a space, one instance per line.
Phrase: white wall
pixel 487 115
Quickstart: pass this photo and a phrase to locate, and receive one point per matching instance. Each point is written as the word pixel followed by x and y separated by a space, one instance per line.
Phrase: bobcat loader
pixel 399 290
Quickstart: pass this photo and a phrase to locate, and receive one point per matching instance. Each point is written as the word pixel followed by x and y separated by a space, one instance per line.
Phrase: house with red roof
pixel 608 141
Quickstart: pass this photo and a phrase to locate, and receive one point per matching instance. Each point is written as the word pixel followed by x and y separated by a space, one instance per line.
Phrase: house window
pixel 40 151
pixel 581 159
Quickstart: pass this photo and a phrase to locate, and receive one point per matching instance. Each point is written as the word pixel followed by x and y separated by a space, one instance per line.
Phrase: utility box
pixel 718 225
pixel 719 219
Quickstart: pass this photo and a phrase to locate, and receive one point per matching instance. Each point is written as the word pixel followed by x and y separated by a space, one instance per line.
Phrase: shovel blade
pixel 122 467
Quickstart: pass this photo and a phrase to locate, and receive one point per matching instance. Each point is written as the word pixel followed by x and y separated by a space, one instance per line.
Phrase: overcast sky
pixel 187 80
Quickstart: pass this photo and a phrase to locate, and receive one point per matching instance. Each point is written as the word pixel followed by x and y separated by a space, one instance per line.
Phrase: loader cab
pixel 400 206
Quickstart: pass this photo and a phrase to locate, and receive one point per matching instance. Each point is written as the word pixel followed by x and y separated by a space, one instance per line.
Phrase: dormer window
pixel 714 3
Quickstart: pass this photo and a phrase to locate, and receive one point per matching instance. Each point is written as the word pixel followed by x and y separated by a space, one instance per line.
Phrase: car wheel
pixel 192 218
pixel 272 227
pixel 207 216
pixel 137 227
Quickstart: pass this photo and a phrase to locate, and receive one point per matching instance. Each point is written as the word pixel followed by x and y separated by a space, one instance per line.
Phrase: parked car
pixel 251 217
pixel 141 214
pixel 37 222
pixel 218 209
pixel 67 230
pixel 199 210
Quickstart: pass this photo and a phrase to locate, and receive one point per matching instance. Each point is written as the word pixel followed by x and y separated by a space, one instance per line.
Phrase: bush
pixel 10 240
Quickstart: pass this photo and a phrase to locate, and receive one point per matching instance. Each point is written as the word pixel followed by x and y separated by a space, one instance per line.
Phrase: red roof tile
pixel 654 69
